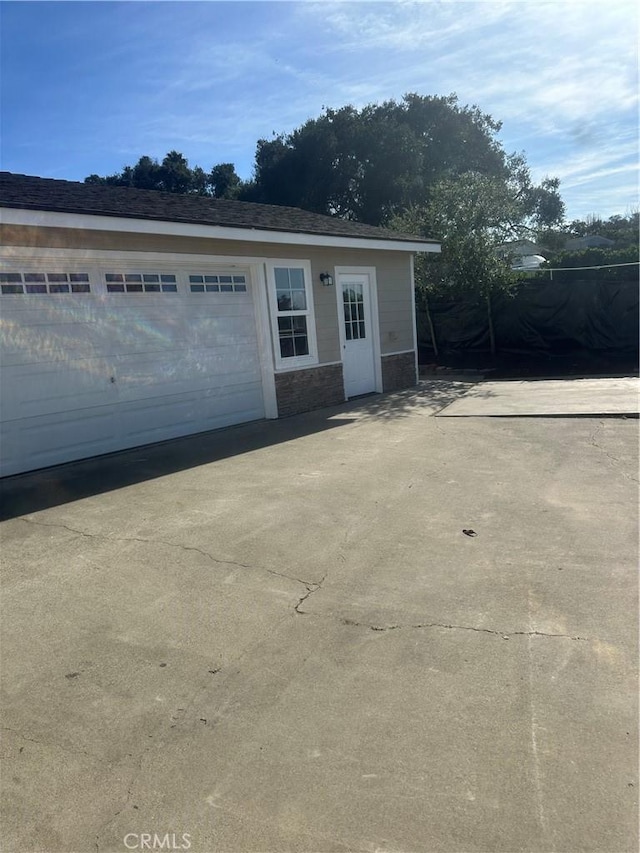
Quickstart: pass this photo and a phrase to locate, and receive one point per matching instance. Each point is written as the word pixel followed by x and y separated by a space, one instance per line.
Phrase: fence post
pixel 431 329
pixel 492 336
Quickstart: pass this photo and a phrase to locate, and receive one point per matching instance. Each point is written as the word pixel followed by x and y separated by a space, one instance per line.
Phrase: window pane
pixel 113 276
pixel 299 300
pixel 347 331
pixel 301 345
pixel 151 277
pixel 195 279
pixel 197 288
pixel 132 277
pixel 167 278
pixel 361 329
pixel 212 288
pixel 211 279
pixel 169 288
pixel 286 347
pixel 57 276
pixel 300 325
pixel 8 289
pixel 36 288
pixel 152 288
pixel 58 288
pixel 80 288
pixel 284 300
pixel 11 276
pixel 35 276
pixel 282 278
pixel 285 325
pixel 296 277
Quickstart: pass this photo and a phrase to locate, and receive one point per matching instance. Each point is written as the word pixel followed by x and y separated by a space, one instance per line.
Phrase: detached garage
pixel 131 316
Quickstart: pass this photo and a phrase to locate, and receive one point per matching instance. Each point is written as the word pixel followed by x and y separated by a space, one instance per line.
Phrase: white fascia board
pixel 52 219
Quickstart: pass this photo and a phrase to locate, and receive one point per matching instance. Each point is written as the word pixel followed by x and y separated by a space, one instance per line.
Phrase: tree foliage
pixel 370 164
pixel 174 175
pixel 473 215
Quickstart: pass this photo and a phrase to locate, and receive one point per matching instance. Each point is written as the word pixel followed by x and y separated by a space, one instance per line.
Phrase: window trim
pixel 296 361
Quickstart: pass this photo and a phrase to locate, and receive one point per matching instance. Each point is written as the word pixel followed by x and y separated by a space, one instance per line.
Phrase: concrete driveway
pixel 279 638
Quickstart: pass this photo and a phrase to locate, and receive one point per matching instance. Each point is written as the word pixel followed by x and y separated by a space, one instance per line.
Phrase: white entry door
pixel 358 354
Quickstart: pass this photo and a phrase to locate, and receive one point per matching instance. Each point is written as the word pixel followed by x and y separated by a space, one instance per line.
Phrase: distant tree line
pixel 424 165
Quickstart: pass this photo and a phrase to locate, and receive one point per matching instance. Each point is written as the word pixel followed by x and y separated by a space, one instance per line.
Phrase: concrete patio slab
pixel 278 638
pixel 545 397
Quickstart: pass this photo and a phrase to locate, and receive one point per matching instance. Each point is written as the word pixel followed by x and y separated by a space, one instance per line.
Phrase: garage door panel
pixel 53 343
pixel 184 414
pixel 187 370
pixel 38 442
pixel 30 390
pixel 101 372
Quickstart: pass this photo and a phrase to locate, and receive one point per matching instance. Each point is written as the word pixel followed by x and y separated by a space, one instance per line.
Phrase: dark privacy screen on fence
pixel 543 317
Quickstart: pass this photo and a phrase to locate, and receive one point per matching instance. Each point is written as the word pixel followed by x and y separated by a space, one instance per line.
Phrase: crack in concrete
pixel 610 456
pixel 169 545
pixel 126 802
pixel 311 588
pixel 504 634
pixel 50 743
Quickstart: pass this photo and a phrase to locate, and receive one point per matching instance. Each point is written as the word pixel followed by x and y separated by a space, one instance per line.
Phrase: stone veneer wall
pixel 303 390
pixel 398 371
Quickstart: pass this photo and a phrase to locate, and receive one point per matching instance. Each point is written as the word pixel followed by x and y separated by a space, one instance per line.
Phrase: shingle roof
pixel 33 193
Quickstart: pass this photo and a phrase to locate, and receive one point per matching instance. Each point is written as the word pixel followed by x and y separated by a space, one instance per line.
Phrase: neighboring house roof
pixel 521 247
pixel 588 242
pixel 46 194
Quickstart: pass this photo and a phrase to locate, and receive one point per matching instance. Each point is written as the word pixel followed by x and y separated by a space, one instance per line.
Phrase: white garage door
pixel 97 359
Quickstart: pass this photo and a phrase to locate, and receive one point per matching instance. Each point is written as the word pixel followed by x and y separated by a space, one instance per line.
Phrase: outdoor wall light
pixel 326 279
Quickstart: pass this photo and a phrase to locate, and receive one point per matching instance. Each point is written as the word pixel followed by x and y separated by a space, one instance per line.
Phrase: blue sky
pixel 91 86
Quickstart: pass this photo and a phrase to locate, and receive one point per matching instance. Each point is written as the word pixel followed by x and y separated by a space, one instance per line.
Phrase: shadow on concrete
pixel 430 395
pixel 60 484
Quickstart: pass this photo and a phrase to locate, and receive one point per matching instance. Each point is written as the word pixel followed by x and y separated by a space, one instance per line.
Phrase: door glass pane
pixel 353 299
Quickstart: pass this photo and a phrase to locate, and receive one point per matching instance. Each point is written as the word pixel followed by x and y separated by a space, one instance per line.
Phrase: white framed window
pixel 293 327
pixel 138 282
pixel 17 283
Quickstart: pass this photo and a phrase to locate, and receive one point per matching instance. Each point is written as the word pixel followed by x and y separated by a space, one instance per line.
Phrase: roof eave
pixel 103 222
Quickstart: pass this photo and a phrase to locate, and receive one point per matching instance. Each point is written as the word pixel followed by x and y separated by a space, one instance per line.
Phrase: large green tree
pixel 369 164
